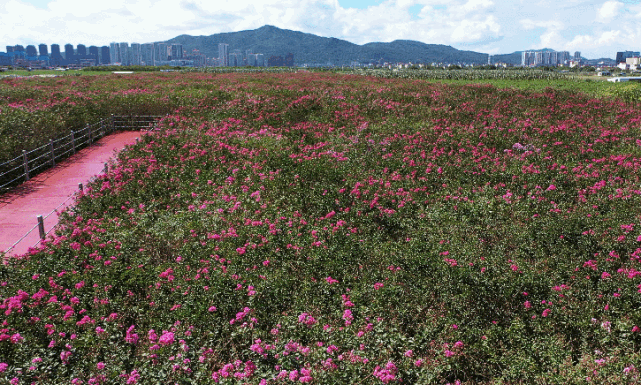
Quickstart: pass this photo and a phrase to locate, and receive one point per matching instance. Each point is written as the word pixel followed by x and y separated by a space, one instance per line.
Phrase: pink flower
pixel 331 349
pixel 100 365
pixel 348 317
pixel 3 367
pixel 16 338
pixel 166 339
pixel 133 377
pixel 131 337
pixel 546 312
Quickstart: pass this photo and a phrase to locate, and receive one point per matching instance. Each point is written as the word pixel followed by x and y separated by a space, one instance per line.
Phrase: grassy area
pixel 593 86
pixel 37 72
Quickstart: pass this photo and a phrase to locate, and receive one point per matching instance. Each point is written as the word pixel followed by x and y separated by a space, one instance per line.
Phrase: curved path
pixel 52 189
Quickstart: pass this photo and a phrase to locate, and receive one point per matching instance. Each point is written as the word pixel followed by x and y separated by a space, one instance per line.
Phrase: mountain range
pixel 316 50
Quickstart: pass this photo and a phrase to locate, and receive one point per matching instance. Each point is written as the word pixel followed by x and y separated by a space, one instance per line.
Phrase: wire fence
pixel 22 168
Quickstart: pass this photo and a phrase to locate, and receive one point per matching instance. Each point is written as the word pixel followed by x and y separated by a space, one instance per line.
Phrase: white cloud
pixel 496 26
pixel 609 10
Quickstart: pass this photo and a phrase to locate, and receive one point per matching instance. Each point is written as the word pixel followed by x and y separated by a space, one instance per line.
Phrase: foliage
pixel 332 229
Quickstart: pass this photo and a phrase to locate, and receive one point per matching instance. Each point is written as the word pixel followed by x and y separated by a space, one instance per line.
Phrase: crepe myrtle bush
pixel 322 228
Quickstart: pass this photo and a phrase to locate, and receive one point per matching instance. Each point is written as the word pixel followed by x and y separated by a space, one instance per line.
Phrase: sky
pixel 594 27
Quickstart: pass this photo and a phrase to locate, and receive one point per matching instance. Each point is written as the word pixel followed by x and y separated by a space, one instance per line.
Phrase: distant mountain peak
pixel 316 50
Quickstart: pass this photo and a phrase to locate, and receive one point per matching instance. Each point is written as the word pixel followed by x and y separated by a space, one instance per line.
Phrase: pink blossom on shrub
pixel 167 338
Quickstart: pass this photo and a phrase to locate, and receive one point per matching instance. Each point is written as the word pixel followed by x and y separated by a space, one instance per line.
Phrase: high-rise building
pixel 42 48
pixel 105 56
pixel 94 54
pixel 10 48
pixel 544 58
pixel 564 57
pixel 176 51
pixel 81 50
pixel 577 56
pixel 223 54
pixel 135 54
pixel 234 58
pixel 251 60
pixel 69 53
pixel 260 60
pixel 147 53
pixel 125 56
pixel 621 56
pixel 31 50
pixel 161 52
pixel 528 58
pixel 18 48
pixel 114 52
pixel 56 57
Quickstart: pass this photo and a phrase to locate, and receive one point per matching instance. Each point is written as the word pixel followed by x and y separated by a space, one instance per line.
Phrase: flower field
pixel 334 229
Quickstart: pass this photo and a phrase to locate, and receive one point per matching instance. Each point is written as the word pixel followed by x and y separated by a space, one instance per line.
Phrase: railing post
pixel 113 123
pixel 26 165
pixel 73 142
pixel 53 156
pixel 90 133
pixel 80 187
pixel 41 227
pixel 106 168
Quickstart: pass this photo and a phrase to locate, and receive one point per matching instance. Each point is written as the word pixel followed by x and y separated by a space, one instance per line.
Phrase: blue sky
pixel 597 28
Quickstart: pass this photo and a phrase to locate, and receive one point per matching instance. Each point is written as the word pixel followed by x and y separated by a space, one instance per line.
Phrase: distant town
pixel 134 54
pixel 166 54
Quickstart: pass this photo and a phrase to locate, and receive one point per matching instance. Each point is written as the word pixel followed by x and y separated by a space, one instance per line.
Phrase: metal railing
pixel 22 168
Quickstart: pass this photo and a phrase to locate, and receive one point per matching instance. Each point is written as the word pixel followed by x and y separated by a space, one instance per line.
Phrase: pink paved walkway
pixel 43 193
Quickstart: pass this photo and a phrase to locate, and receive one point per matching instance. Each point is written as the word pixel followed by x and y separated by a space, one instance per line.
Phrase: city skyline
pixel 125 54
pixel 596 28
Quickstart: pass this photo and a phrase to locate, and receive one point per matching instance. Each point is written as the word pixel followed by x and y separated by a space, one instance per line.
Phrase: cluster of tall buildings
pixel 126 54
pixel 548 58
pixel 237 58
pixel 41 57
